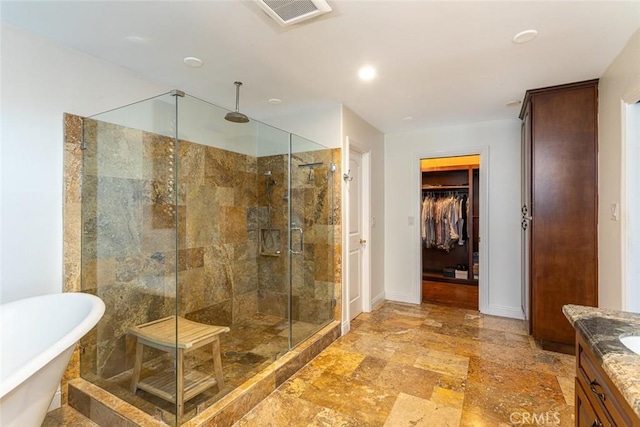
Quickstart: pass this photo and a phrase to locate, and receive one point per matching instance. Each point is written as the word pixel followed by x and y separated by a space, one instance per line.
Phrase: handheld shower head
pixel 270 181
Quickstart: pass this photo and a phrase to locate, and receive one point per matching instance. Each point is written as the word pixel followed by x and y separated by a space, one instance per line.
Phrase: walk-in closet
pixel 449 224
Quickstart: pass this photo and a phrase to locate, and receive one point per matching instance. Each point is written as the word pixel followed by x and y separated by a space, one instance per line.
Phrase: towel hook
pixel 347 176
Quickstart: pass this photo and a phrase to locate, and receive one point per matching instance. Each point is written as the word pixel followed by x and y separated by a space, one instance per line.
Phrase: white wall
pixel 40 81
pixel 369 139
pixel 621 82
pixel 321 125
pixel 402 260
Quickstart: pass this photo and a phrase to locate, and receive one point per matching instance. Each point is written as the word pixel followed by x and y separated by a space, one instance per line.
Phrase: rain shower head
pixel 237 116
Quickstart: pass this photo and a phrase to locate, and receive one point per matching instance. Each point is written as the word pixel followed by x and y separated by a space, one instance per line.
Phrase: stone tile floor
pixel 67 416
pixel 427 365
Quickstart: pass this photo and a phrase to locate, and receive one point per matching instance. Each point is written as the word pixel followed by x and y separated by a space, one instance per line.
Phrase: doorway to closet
pixel 449 230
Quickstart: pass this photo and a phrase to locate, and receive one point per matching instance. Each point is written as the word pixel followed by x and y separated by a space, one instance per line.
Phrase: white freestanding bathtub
pixel 37 338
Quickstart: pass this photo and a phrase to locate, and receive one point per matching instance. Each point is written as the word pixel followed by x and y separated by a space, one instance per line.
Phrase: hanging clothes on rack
pixel 443 220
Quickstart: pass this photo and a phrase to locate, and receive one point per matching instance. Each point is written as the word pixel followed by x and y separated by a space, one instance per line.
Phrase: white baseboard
pixel 377 301
pixel 505 311
pixel 401 297
pixel 346 327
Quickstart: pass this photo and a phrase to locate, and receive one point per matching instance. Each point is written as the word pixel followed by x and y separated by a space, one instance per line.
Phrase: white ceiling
pixel 440 62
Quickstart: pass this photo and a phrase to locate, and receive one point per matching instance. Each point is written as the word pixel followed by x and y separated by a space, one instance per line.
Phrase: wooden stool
pixel 161 334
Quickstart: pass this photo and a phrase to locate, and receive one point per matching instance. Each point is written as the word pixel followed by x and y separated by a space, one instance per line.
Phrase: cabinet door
pixel 564 207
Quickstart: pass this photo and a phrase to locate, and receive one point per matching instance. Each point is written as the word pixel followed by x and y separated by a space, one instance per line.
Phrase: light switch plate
pixel 615 212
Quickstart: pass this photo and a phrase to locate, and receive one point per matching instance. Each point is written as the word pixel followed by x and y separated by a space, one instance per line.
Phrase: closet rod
pixel 445 187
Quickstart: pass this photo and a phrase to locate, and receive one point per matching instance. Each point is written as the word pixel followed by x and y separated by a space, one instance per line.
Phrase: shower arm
pixel 237 96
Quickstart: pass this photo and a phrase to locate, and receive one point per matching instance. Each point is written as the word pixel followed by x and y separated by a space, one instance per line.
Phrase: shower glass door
pixel 311 230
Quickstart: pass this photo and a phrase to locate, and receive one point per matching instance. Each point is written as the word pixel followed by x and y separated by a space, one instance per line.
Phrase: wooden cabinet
pixel 559 212
pixel 598 401
pixel 461 181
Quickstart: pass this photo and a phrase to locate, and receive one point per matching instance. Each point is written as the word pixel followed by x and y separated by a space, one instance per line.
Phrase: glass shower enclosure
pixel 211 244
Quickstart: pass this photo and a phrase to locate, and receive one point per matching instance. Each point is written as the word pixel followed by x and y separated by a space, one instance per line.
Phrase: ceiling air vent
pixel 288 12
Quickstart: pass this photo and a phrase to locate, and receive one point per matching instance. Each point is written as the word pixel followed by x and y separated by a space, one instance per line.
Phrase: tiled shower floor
pixel 250 346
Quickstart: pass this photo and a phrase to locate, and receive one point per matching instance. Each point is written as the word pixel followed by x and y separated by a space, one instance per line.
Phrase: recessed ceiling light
pixel 524 36
pixel 513 103
pixel 192 61
pixel 367 73
pixel 407 119
pixel 275 101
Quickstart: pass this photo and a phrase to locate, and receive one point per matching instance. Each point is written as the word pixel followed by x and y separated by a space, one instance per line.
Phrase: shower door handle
pixel 300 242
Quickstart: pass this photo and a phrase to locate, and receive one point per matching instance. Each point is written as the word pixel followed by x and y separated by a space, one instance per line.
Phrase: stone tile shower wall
pixel 128 229
pixel 129 254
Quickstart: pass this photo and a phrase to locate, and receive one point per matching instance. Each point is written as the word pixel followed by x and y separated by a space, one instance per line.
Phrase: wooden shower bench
pixel 161 334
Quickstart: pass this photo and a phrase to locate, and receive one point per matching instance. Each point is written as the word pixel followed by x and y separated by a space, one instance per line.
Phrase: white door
pixel 631 301
pixel 355 227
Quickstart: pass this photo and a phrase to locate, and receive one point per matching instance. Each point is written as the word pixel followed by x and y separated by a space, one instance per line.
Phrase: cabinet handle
pixel 592 385
pixel 596 423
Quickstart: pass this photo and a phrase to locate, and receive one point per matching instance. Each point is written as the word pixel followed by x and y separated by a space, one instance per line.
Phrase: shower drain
pixel 230 353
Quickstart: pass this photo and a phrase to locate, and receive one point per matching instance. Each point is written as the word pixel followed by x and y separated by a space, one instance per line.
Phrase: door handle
pixel 300 243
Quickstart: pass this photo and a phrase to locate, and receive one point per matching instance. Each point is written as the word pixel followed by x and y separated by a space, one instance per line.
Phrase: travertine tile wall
pixel 129 254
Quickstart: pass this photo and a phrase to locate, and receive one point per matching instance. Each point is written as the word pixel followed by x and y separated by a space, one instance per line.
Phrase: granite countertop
pixel 602 329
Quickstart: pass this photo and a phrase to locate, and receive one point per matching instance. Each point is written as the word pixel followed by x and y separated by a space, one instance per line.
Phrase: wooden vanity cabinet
pixel 598 401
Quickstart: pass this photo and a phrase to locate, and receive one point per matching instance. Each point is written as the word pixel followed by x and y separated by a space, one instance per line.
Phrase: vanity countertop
pixel 602 329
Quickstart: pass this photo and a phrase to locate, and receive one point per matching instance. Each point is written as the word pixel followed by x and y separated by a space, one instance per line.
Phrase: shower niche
pixel 214 229
pixel 270 242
